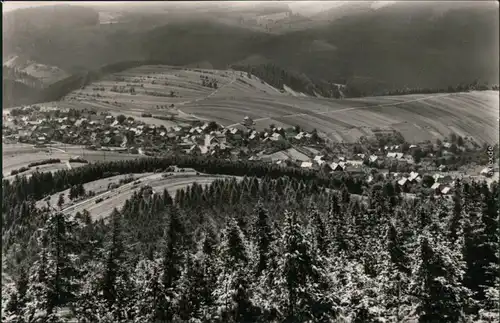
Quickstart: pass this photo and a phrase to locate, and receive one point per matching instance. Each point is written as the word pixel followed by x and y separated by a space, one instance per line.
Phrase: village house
pixel 299 136
pixel 276 136
pixel 247 121
pixel 409 159
pixel 337 167
pixel 403 182
pixel 252 136
pixel 487 171
pixel 354 163
pixel 446 190
pixel 109 119
pixel 414 176
pixel 318 157
pixel 395 155
pixel 306 165
pixel 436 187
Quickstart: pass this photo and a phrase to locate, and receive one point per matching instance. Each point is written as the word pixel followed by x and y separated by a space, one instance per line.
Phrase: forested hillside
pixel 373 51
pixel 278 249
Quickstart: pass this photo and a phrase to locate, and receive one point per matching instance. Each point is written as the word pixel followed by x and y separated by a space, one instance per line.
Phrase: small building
pixel 414 177
pixel 306 165
pixel 395 155
pixel 247 121
pixel 276 136
pixel 445 190
pixel 320 162
pixel 409 159
pixel 442 179
pixel 337 167
pixel 354 163
pixel 403 181
pixel 318 158
pixel 488 172
pixel 447 145
pixel 299 136
pixel 435 186
pixel 80 122
pixel 373 158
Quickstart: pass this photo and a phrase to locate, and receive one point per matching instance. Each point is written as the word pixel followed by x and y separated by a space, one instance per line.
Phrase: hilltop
pixel 373 51
pixel 419 117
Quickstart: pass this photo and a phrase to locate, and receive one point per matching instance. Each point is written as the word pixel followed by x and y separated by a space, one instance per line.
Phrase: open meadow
pixel 418 117
pixel 115 198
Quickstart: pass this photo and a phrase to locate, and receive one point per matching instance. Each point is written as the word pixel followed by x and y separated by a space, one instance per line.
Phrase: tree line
pixel 279 77
pixel 40 185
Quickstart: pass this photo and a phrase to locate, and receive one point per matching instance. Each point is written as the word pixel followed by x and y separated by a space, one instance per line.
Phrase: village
pixel 434 167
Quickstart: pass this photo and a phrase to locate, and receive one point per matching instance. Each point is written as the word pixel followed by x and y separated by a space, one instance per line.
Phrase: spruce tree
pixel 147 290
pixel 17 300
pixel 60 201
pixel 320 234
pixel 263 238
pixel 437 283
pixel 172 264
pixel 233 297
pixel 114 277
pixel 38 294
pixel 302 297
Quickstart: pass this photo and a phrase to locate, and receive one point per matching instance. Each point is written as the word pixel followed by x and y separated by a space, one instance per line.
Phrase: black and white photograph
pixel 250 162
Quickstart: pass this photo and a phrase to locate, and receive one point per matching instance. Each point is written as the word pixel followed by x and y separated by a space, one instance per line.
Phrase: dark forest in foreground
pixel 280 249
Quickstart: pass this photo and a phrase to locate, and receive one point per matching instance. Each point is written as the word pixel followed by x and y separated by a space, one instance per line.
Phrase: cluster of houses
pixel 102 131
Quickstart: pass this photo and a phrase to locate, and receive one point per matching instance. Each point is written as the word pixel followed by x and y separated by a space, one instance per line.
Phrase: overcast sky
pixel 303 7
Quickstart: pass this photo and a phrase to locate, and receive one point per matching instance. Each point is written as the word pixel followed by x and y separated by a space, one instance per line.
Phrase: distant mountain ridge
pixel 396 46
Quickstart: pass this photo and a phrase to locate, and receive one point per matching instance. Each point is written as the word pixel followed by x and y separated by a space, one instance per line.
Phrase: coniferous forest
pixel 280 245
